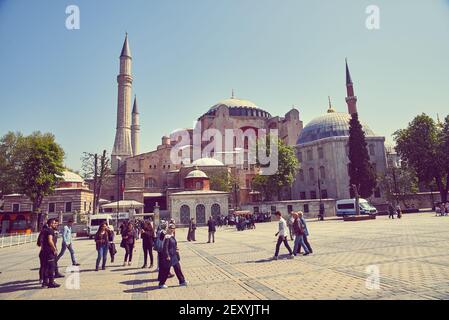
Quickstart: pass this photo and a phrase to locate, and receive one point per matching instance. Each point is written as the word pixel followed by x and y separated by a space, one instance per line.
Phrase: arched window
pixel 309 155
pixel 185 214
pixel 320 153
pixel 372 151
pixel 312 174
pixel 301 175
pixel 322 173
pixel 215 210
pixel 150 183
pixel 200 214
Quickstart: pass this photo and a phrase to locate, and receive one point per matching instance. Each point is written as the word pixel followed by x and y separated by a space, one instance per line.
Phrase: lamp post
pixel 118 192
pixel 321 214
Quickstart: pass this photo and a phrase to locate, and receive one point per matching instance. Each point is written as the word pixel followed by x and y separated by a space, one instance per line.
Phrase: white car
pixel 95 221
pixel 347 207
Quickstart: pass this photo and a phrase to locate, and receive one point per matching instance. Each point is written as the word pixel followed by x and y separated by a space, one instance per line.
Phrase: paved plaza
pixel 411 255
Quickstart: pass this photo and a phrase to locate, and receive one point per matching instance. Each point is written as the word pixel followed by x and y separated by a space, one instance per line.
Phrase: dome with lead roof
pixel 332 124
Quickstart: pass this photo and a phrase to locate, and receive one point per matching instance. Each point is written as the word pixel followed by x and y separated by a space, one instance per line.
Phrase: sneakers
pixel 291 256
pixel 275 258
pixel 124 264
pixel 151 266
pixel 163 286
pixel 76 264
pixel 58 275
pixel 171 275
pixel 183 284
pixel 144 266
pixel 53 285
pixel 306 254
pixel 129 263
pixel 103 268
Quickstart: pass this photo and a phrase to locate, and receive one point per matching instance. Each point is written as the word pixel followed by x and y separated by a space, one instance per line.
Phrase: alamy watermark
pixel 72 22
pixel 372 22
pixel 372 281
pixel 233 147
pixel 72 281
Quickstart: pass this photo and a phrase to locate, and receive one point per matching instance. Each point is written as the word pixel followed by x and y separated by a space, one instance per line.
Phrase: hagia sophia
pixel 152 179
pixel 186 190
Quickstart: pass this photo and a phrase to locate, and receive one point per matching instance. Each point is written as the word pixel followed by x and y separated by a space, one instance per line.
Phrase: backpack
pixel 158 244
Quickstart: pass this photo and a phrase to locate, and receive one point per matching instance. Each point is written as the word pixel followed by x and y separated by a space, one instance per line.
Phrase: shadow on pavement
pixel 136 290
pixel 137 282
pixel 15 286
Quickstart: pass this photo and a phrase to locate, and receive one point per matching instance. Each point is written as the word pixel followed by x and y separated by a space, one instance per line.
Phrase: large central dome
pixel 239 107
pixel 333 124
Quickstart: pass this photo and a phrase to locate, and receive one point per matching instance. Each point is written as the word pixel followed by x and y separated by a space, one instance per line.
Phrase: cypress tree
pixel 361 172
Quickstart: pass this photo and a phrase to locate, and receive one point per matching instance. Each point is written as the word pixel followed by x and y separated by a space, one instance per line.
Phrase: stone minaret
pixel 351 100
pixel 135 129
pixel 122 145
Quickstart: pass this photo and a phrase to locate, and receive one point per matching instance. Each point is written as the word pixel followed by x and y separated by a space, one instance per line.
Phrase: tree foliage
pixel 9 162
pixel 398 182
pixel 288 165
pixel 361 172
pixel 96 168
pixel 424 146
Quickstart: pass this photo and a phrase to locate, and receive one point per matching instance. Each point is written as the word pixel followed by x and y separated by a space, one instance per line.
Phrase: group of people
pixel 247 221
pixel 297 229
pixel 48 255
pixel 442 209
pixel 393 211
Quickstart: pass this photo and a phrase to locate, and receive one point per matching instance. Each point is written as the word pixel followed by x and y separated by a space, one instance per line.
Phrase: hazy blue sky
pixel 189 54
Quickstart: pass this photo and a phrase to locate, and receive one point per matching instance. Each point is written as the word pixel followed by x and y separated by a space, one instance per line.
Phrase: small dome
pixel 332 124
pixel 69 176
pixel 196 174
pixel 207 162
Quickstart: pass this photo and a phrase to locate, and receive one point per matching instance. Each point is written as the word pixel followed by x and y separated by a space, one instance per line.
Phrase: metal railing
pixel 15 239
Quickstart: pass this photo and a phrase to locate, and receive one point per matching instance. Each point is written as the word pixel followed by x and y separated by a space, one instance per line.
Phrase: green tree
pixel 398 182
pixel 288 165
pixel 423 146
pixel 9 162
pixel 221 181
pixel 40 170
pixel 97 168
pixel 361 172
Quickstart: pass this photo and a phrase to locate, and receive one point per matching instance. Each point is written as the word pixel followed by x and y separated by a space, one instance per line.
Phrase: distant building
pixel 322 149
pixel 72 197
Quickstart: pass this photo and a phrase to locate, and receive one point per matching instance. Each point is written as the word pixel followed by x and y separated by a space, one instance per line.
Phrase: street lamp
pixel 321 215
pixel 118 191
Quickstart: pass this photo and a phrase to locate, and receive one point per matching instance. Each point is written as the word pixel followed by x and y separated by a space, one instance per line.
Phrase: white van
pixel 347 207
pixel 96 221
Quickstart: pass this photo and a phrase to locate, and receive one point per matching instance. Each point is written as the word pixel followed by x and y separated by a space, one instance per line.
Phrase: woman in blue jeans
pixel 298 230
pixel 102 243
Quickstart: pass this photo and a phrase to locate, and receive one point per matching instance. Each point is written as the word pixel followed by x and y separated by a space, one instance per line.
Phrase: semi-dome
pixel 207 162
pixel 68 176
pixel 196 174
pixel 240 107
pixel 332 124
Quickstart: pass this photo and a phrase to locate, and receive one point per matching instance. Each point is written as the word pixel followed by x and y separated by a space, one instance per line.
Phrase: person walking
pixel 399 211
pixel 191 231
pixel 39 243
pixel 171 258
pixel 102 245
pixel 50 254
pixel 128 241
pixel 67 243
pixel 306 231
pixel 211 229
pixel 390 212
pixel 147 243
pixel 298 230
pixel 290 225
pixel 111 246
pixel 282 237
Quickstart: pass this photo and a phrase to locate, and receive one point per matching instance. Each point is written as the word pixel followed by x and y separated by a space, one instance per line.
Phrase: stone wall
pixel 309 207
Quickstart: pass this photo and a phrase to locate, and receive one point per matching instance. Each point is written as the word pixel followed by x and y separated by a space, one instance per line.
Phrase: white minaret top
pixel 135 129
pixel 122 145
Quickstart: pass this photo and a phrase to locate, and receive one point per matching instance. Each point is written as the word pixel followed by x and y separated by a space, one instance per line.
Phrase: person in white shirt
pixel 282 237
pixel 67 243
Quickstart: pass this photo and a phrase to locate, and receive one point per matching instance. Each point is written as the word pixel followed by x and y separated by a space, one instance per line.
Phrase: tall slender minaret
pixel 351 100
pixel 135 129
pixel 122 145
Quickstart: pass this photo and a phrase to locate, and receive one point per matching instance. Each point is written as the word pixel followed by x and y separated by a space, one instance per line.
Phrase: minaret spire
pixel 330 109
pixel 122 145
pixel 351 99
pixel 135 129
pixel 232 94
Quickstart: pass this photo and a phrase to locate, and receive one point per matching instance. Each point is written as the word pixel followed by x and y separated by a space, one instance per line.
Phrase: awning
pixel 127 204
pixel 153 195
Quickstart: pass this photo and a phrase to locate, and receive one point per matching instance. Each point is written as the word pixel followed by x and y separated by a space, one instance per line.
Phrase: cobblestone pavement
pixel 411 255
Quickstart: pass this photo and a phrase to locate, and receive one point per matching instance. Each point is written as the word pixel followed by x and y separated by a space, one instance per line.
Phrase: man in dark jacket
pixel 49 253
pixel 212 229
pixel 170 258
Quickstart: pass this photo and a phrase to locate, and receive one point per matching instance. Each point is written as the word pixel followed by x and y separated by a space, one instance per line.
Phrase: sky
pixel 188 55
